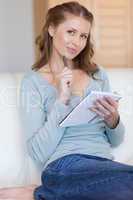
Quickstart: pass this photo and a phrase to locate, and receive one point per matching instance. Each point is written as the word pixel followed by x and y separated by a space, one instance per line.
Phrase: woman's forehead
pixel 77 23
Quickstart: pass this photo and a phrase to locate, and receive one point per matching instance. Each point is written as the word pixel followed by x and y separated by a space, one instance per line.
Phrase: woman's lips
pixel 71 50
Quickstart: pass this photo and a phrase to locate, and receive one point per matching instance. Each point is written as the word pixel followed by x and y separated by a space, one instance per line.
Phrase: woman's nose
pixel 76 41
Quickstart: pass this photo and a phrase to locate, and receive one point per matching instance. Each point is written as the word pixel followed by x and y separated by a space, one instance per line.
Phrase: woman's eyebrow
pixel 74 29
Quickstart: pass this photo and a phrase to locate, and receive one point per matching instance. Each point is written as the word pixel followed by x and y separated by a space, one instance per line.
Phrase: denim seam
pixel 106 180
pixel 53 171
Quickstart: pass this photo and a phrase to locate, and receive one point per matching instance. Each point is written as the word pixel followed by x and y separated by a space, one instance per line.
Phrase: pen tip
pixel 65 61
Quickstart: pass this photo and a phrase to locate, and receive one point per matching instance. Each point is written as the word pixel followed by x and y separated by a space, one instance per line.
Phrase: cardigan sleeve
pixel 115 135
pixel 43 133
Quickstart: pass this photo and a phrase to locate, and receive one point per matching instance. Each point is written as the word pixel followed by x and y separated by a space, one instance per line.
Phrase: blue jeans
pixel 84 177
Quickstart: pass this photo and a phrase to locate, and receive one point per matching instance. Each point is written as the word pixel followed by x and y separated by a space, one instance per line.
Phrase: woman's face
pixel 70 37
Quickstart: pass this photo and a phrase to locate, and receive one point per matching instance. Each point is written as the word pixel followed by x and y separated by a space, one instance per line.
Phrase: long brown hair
pixel 55 16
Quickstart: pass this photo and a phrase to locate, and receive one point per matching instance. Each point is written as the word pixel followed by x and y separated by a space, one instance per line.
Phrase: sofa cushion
pixel 11 151
pixel 15 164
pixel 121 80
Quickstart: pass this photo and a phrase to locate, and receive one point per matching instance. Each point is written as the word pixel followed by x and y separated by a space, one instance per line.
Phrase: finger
pixel 102 109
pixel 66 79
pixel 66 74
pixel 66 69
pixel 111 101
pixel 106 105
pixel 93 109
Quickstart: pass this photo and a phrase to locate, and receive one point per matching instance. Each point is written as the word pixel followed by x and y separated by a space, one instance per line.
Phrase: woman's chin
pixel 70 56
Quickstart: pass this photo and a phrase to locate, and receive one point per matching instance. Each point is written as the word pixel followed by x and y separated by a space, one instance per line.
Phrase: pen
pixel 66 65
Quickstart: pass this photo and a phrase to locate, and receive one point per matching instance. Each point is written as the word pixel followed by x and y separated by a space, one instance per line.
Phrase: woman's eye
pixel 71 32
pixel 84 37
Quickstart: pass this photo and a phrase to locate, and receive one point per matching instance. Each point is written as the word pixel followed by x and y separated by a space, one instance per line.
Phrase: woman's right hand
pixel 65 85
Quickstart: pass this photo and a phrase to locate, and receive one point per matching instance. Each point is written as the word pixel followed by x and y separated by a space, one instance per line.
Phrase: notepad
pixel 81 114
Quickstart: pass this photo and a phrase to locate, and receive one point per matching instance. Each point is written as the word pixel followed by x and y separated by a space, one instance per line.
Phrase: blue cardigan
pixel 41 112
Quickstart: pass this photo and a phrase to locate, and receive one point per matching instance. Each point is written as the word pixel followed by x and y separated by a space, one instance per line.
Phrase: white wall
pixel 16 35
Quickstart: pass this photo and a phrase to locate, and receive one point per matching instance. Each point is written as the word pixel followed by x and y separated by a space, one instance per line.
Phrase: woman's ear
pixel 51 30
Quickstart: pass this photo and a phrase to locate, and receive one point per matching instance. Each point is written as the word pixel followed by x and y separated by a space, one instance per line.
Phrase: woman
pixel 77 161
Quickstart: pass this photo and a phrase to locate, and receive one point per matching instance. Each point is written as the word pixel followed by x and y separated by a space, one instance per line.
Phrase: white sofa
pixel 16 167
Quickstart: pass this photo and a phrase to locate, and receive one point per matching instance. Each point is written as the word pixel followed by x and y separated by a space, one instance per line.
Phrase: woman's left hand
pixel 18 193
pixel 107 108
